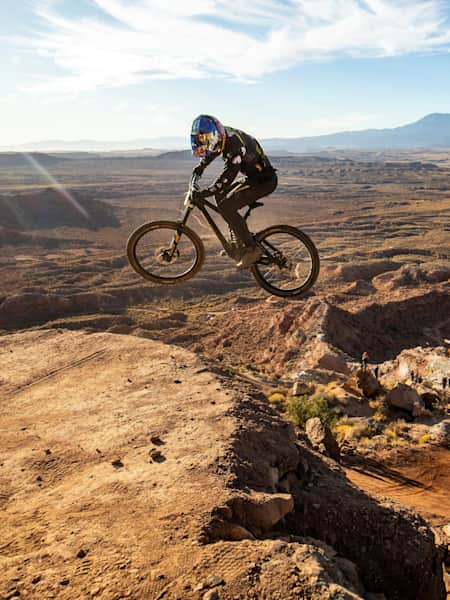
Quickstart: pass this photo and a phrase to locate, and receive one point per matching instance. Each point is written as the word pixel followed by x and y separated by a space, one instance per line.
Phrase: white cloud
pixel 243 39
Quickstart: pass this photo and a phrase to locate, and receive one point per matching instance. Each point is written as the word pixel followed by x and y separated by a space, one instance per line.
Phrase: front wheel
pixel 165 252
pixel 290 264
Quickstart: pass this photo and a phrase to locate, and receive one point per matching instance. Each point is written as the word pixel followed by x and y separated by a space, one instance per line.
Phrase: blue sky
pixel 124 69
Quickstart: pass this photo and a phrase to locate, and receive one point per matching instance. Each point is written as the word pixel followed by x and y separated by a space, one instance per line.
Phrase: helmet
pixel 207 136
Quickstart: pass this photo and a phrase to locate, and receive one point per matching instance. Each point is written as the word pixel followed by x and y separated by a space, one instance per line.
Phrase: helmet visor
pixel 198 148
pixel 202 143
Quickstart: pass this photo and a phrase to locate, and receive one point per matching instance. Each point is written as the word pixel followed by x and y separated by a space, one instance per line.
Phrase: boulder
pixel 322 439
pixel 331 361
pixel 259 512
pixel 368 383
pixel 247 515
pixel 407 398
pixel 430 399
pixel 300 388
pixel 441 433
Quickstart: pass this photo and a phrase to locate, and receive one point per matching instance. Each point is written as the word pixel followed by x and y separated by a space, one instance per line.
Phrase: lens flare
pixel 56 185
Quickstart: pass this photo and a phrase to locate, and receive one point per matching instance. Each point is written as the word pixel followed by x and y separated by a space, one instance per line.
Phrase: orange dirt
pixel 421 482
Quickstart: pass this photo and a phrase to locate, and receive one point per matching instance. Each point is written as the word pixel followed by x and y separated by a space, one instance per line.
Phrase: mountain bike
pixel 170 252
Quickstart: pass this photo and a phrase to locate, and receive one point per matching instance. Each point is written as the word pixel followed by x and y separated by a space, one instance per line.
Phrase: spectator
pixel 364 360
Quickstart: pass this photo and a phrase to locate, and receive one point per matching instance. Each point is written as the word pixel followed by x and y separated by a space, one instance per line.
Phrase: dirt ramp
pixel 128 467
pixel 106 474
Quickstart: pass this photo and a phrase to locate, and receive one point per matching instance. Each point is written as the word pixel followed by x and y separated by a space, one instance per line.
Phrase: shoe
pixel 249 257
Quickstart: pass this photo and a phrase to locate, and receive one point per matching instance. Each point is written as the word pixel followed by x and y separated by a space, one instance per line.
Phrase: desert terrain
pixel 158 442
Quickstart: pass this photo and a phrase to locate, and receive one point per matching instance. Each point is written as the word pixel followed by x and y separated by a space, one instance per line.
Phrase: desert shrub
pixel 347 430
pixel 424 438
pixel 397 431
pixel 276 397
pixel 343 431
pixel 302 408
pixel 381 408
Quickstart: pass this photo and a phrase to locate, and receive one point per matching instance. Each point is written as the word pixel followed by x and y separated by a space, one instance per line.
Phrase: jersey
pixel 242 154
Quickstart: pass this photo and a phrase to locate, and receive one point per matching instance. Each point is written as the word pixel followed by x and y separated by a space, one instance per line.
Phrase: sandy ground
pixel 87 512
pixel 73 406
pixel 422 483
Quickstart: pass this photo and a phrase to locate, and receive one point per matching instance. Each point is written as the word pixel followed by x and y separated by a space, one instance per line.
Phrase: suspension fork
pixel 188 207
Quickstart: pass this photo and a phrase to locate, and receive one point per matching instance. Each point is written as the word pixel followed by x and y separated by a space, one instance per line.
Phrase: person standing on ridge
pixel 242 154
pixel 364 361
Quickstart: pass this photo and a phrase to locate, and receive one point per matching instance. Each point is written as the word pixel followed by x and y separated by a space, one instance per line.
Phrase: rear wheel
pixel 290 264
pixel 165 252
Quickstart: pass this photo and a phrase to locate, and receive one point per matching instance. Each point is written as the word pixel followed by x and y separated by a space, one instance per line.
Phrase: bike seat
pixel 256 205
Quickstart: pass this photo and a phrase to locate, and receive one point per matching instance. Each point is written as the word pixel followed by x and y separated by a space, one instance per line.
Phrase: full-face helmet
pixel 207 136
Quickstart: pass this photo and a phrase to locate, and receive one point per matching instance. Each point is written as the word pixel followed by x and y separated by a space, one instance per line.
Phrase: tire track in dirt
pixel 55 372
pixel 420 483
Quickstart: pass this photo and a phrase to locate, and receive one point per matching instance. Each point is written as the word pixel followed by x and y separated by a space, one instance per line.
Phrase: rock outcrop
pixel 441 433
pixel 393 549
pixel 367 383
pixel 407 398
pixel 322 439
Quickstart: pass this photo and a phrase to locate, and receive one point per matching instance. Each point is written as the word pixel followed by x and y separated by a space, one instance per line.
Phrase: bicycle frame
pixel 271 255
pixel 202 205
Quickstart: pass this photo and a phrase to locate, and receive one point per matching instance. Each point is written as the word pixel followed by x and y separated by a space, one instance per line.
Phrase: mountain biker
pixel 242 154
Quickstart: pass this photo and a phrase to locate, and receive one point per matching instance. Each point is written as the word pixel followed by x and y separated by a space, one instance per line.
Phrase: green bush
pixel 302 408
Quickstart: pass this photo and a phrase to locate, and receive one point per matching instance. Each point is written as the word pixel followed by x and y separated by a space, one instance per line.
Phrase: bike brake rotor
pixel 164 257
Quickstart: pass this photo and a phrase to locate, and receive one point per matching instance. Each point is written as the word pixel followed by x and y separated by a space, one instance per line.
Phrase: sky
pixel 126 69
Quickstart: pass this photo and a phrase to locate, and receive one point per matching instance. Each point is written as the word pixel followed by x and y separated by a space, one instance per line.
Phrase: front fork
pixel 188 206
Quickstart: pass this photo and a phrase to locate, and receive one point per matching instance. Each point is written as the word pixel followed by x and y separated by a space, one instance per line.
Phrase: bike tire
pixel 141 231
pixel 313 254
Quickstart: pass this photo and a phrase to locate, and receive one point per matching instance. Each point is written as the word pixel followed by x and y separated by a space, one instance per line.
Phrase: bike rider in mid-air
pixel 242 154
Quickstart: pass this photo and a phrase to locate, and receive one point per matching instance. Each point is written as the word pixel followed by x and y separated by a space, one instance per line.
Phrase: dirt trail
pixel 120 453
pixel 421 482
pixel 72 405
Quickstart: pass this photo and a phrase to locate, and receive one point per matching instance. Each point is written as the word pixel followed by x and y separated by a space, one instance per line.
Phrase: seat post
pixel 252 207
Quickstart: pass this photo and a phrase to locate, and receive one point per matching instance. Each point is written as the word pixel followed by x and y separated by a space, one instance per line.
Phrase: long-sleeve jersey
pixel 241 153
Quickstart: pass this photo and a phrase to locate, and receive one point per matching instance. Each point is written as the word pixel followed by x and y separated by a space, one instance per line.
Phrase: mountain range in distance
pixel 432 131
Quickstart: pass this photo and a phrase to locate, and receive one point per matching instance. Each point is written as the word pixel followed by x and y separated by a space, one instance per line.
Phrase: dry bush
pixel 347 430
pixel 302 408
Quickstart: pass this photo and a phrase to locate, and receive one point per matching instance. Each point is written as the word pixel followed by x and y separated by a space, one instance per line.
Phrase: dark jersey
pixel 242 154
